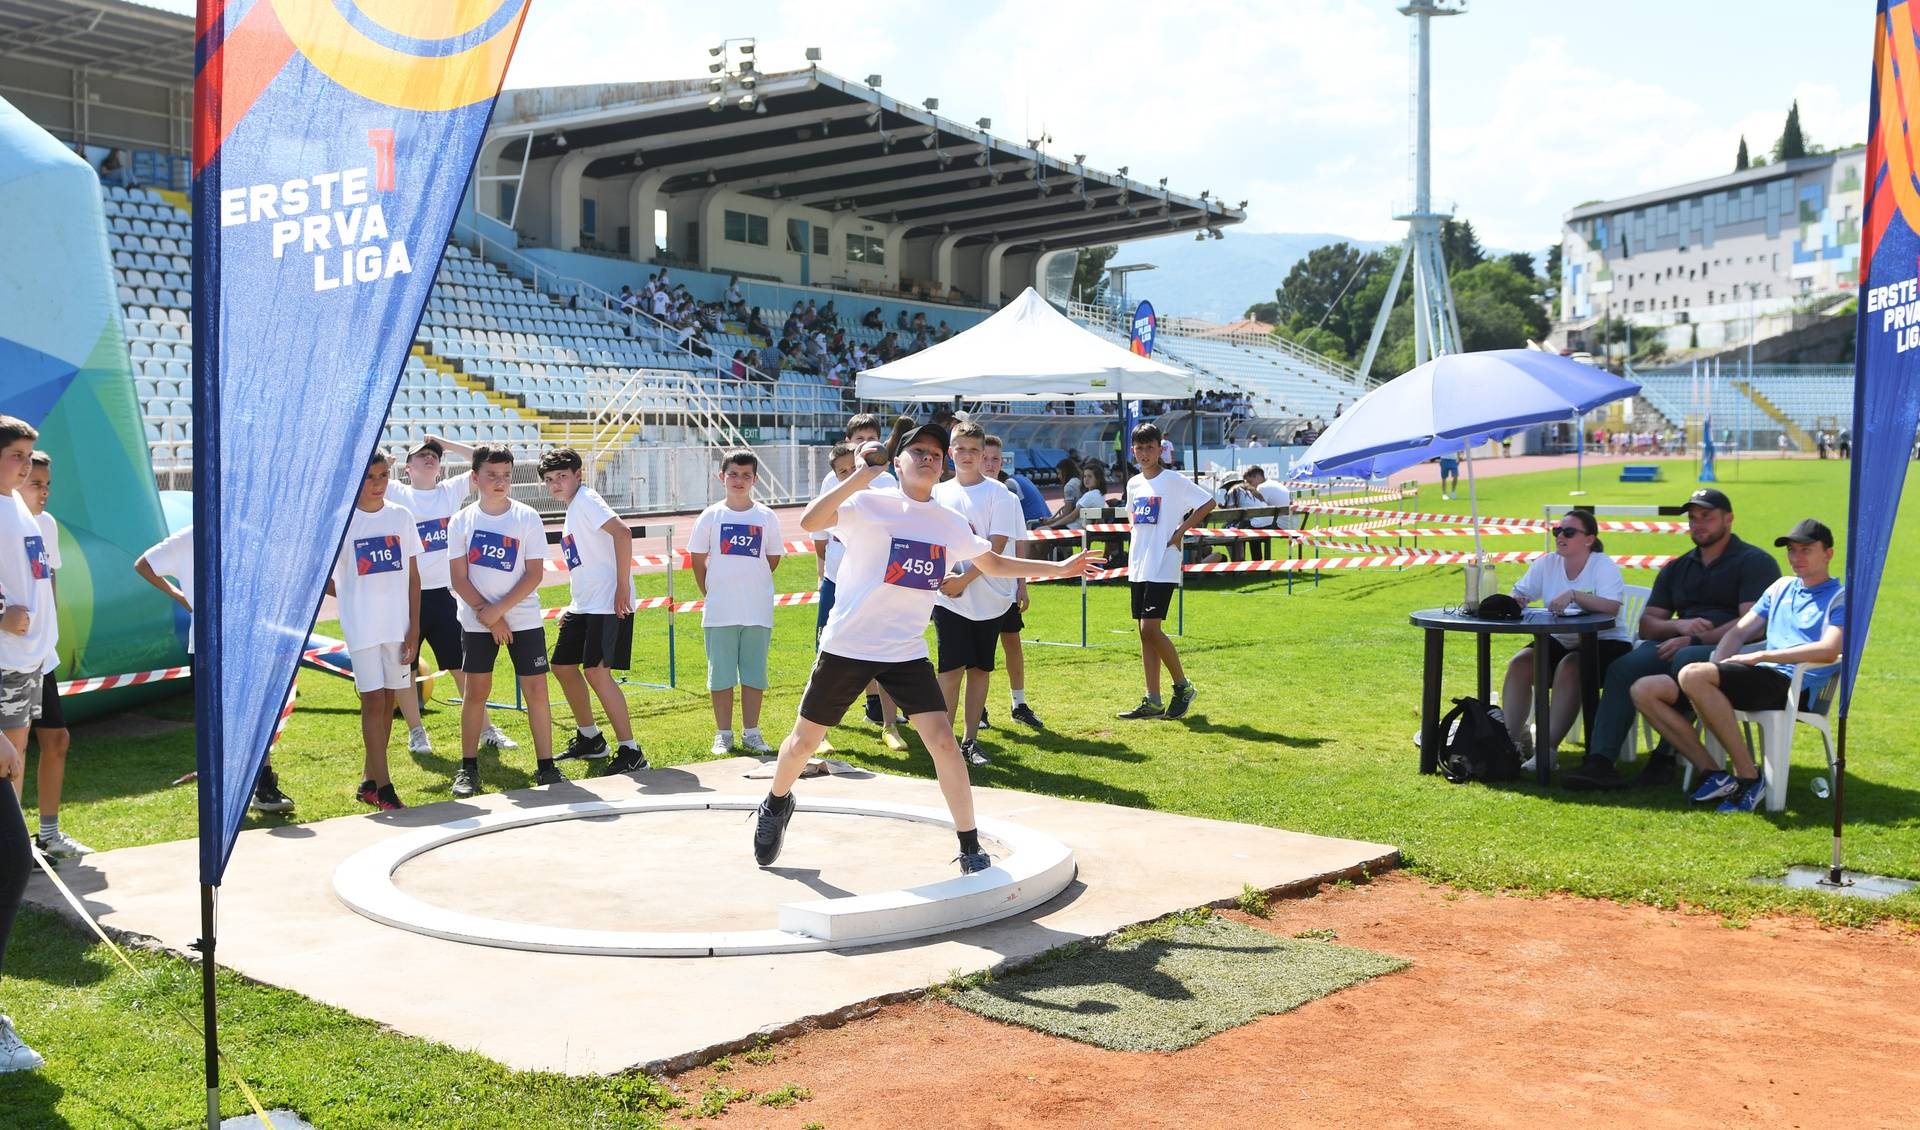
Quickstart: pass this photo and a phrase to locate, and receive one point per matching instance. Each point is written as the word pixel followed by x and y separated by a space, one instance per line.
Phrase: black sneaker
pixel 1659 770
pixel 984 724
pixel 547 773
pixel 466 782
pixel 970 751
pixel 1182 699
pixel 1595 773
pixel 627 759
pixel 1024 715
pixel 873 709
pixel 267 796
pixel 770 827
pixel 584 748
pixel 972 861
pixel 1147 709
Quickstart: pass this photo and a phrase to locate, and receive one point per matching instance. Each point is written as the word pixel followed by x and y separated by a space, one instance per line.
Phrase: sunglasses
pixel 1566 531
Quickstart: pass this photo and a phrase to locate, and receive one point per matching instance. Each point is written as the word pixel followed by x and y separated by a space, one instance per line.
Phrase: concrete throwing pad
pixel 686 870
pixel 1031 869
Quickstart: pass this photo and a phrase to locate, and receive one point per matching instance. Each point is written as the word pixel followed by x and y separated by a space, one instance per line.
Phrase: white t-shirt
pixel 497 548
pixel 883 480
pixel 1271 494
pixel 1155 506
pixel 1546 578
pixel 431 510
pixel 990 511
pixel 587 549
pixel 173 557
pixel 370 575
pixel 50 542
pixel 897 553
pixel 738 545
pixel 23 567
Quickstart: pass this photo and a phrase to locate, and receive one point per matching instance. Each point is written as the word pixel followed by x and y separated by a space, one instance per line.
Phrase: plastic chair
pixel 1776 736
pixel 1631 607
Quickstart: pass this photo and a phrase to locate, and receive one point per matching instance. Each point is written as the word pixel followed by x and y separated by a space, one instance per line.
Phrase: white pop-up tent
pixel 1027 351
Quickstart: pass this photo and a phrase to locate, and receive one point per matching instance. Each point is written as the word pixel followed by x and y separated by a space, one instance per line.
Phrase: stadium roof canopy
pixel 823 141
pixel 119 39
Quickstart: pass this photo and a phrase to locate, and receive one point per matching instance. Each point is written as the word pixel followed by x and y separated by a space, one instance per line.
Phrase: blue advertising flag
pixel 1140 340
pixel 331 150
pixel 1706 452
pixel 1886 383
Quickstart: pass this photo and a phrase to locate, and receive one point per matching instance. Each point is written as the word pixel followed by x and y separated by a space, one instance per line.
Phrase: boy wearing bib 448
pixel 900 545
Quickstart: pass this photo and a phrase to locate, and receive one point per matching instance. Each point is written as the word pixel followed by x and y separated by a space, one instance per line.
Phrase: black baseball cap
pixel 1808 530
pixel 937 433
pixel 1710 498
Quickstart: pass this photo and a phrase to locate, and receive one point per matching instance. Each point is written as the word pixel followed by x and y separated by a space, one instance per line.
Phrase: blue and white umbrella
pixel 1452 404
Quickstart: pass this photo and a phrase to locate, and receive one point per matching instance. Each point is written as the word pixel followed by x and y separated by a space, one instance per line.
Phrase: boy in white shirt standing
pixel 432 502
pixel 50 729
pixel 898 545
pixel 496 555
pixel 968 610
pixel 596 631
pixel 1162 507
pixel 736 548
pixel 376 578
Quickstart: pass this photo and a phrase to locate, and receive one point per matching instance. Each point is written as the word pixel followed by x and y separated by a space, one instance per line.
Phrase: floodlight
pixel 1242 206
pixel 1079 158
pixel 776 192
pixel 813 54
pixel 931 103
pixel 747 79
pixel 984 124
pixel 1216 233
pixel 760 107
pixel 747 47
pixel 1123 170
pixel 980 158
pixel 1163 182
pixel 747 101
pixel 946 158
pixel 873 119
pixel 711 178
pixel 560 138
pixel 928 141
pixel 716 50
pixel 945 228
pixel 1199 237
pixel 873 81
pixel 716 68
pixel 1205 192
pixel 714 103
pixel 716 83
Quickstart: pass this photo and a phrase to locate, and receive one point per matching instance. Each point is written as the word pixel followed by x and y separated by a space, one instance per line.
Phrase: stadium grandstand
pixel 1799 401
pixel 649 270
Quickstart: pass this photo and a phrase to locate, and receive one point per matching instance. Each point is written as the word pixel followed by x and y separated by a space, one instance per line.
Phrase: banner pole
pixel 1835 875
pixel 208 1015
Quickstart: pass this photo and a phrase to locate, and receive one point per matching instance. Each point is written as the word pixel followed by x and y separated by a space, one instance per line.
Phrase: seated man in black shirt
pixel 1696 597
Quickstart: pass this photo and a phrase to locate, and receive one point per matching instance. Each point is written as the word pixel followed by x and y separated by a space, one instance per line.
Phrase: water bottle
pixel 1480 584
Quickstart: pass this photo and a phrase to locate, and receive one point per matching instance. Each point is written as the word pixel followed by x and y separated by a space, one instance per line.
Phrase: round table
pixel 1535 622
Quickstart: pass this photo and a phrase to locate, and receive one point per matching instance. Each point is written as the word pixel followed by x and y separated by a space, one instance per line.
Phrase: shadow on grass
pixel 52 948
pixel 1869 803
pixel 28 1099
pixel 1007 773
pixel 1201 724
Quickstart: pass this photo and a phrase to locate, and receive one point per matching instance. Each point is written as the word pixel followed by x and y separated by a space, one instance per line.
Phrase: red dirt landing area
pixel 1517 1012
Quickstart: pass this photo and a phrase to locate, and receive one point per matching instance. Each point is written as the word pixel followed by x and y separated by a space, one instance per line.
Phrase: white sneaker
pixel 754 743
pixel 722 745
pixel 493 736
pixel 419 742
pixel 61 846
pixel 15 1055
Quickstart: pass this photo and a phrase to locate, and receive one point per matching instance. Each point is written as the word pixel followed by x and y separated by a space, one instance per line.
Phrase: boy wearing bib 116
pixel 735 552
pixel 496 555
pixel 899 544
pixel 1162 507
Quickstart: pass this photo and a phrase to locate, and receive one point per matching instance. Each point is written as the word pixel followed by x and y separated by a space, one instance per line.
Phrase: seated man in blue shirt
pixel 1804 618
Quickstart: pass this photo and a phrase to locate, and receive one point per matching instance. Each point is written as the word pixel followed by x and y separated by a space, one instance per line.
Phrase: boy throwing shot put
pixel 899 544
pixel 1162 507
pixel 862 427
pixel 496 555
pixel 596 631
pixel 735 547
pixel 376 578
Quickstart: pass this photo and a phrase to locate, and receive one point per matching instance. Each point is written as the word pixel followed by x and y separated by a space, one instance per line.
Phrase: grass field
pixel 1307 703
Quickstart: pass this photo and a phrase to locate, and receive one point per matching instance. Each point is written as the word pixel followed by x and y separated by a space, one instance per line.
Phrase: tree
pixel 1319 292
pixel 1555 257
pixel 1792 142
pixel 1520 261
pixel 1268 312
pixel 1090 273
pixel 1460 245
pixel 1740 159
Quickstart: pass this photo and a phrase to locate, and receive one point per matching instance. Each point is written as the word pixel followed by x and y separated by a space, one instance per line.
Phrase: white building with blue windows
pixel 1713 261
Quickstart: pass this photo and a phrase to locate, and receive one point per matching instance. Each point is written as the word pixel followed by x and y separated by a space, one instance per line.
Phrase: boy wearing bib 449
pixel 900 545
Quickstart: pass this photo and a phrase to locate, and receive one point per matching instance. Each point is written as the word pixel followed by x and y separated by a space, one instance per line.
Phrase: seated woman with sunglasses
pixel 1575 575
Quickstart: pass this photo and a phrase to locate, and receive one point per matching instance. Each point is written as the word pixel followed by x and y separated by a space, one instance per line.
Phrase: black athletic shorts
pixel 1152 600
pixel 1011 620
pixel 836 682
pixel 1610 650
pixel 594 639
pixel 1751 687
pixel 440 627
pixel 52 715
pixel 528 651
pixel 964 643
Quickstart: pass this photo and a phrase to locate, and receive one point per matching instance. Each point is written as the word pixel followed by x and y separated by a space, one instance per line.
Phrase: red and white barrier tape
pixel 108 682
pixel 1534 525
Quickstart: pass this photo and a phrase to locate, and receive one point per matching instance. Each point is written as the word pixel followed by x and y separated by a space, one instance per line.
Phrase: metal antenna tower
pixel 1436 327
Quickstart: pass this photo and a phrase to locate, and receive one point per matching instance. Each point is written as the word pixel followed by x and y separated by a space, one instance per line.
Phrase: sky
pixel 1300 107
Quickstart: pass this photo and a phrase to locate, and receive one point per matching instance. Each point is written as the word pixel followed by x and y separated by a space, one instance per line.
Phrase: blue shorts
pixel 737 657
pixel 1449 468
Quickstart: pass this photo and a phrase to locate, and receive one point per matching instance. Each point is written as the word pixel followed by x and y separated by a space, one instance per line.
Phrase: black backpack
pixel 1476 745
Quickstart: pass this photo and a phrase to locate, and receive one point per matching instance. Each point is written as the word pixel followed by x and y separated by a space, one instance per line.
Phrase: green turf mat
pixel 1174 986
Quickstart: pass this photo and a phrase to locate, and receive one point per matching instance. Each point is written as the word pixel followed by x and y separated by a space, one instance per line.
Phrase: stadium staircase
pixel 1794 431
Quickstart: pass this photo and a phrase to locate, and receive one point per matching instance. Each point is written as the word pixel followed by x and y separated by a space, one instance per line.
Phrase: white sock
pixel 416 731
pixel 589 731
pixel 630 744
pixel 1019 697
pixel 752 732
pixel 727 734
